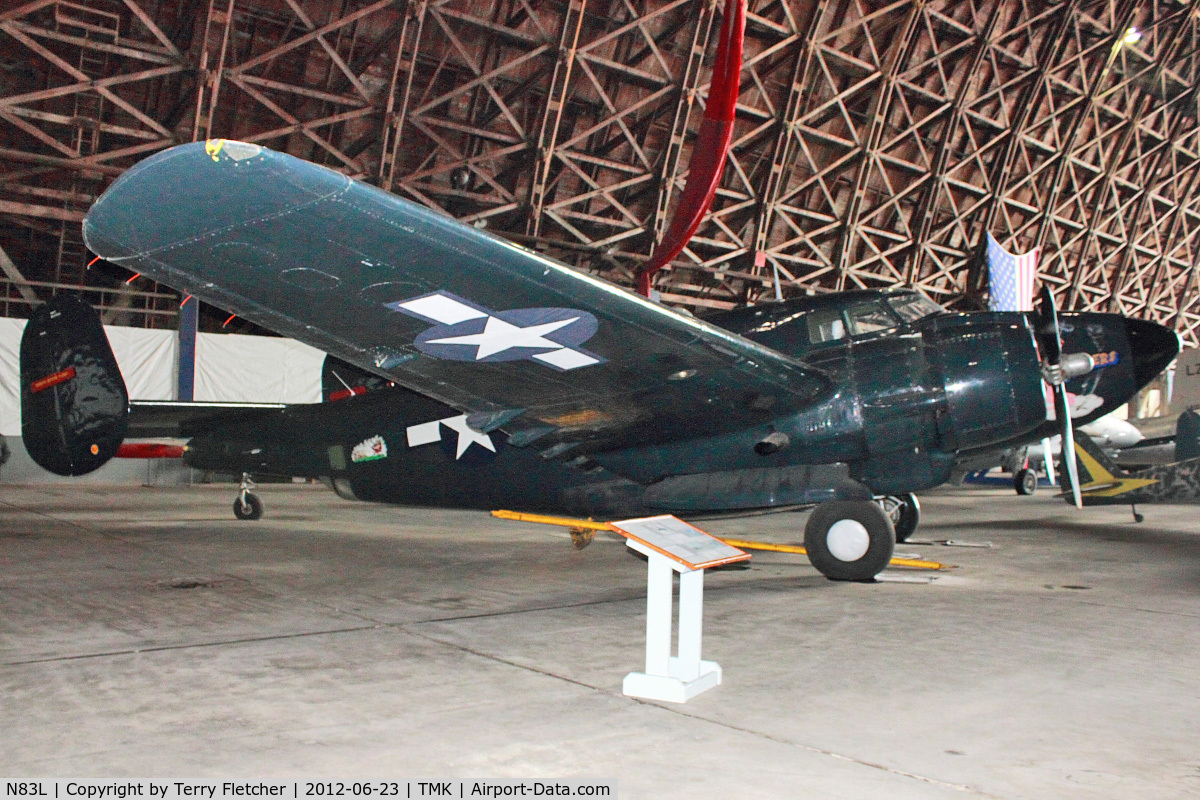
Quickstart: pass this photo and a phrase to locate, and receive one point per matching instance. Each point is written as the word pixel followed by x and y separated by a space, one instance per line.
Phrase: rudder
pixel 1187 436
pixel 1095 466
pixel 74 405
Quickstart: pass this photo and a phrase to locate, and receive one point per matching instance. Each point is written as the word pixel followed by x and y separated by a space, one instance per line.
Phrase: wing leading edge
pixel 550 355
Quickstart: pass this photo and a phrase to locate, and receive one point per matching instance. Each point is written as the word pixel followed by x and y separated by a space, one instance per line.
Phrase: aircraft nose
pixel 1152 347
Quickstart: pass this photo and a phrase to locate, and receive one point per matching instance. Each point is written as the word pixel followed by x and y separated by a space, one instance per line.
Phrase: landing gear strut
pixel 849 540
pixel 1025 481
pixel 247 505
pixel 904 511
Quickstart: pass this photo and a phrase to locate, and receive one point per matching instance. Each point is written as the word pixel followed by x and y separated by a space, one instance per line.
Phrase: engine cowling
pixel 991 377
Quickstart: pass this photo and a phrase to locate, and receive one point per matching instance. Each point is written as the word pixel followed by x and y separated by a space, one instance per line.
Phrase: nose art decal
pixel 464 331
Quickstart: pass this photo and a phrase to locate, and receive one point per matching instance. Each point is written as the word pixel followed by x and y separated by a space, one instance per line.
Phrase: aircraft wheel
pixel 849 540
pixel 1025 481
pixel 252 509
pixel 904 511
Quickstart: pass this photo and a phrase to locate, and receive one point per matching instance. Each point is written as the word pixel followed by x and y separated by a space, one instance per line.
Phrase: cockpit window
pixel 869 318
pixel 825 325
pixel 912 307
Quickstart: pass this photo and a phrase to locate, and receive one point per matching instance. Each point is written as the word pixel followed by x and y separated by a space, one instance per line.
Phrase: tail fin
pixel 1094 464
pixel 73 401
pixel 1187 436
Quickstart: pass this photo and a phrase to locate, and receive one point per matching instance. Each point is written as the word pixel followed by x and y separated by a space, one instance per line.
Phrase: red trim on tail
pixel 62 376
pixel 148 450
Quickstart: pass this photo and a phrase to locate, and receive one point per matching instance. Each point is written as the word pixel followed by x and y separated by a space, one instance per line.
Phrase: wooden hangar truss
pixel 874 145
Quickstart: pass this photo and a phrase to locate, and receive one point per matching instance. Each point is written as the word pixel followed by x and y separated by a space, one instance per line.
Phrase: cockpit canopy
pixel 798 325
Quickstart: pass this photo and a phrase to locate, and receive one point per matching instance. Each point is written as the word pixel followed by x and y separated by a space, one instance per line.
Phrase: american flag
pixel 1010 277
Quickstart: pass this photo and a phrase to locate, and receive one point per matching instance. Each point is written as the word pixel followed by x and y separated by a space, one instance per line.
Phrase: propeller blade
pixel 1050 340
pixel 1068 442
pixel 1047 327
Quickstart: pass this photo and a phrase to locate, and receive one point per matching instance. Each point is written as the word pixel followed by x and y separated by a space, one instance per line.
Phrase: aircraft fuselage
pixel 911 399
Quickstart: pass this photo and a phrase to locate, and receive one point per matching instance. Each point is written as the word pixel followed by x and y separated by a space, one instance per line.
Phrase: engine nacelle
pixel 991 376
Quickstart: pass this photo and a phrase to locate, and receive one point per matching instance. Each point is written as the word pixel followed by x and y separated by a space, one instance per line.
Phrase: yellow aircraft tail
pixel 1095 466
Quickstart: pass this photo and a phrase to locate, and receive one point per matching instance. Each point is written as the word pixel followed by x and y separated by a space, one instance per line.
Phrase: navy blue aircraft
pixel 475 373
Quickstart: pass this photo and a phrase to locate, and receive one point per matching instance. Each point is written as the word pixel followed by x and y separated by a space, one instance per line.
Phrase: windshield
pixel 912 307
pixel 825 325
pixel 869 318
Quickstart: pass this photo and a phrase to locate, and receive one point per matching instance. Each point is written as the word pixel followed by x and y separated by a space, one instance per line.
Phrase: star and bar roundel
pixel 466 331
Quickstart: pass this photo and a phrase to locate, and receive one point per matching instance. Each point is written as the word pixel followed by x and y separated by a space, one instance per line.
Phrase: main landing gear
pixel 904 511
pixel 1025 481
pixel 247 505
pixel 849 540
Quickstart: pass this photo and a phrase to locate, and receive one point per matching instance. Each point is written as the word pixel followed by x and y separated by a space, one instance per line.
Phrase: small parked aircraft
pixel 1022 463
pixel 521 383
pixel 1106 484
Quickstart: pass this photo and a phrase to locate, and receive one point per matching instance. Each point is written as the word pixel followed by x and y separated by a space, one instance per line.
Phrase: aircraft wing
pixel 552 356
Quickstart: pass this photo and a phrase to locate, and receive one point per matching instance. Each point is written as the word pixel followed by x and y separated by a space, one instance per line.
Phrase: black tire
pixel 252 510
pixel 905 513
pixel 1025 481
pixel 864 546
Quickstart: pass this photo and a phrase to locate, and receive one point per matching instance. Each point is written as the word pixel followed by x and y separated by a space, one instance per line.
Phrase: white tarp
pixel 232 367
pixel 256 369
pixel 10 400
pixel 147 361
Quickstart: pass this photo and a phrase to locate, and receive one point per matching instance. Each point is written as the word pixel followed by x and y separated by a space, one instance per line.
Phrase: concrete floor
pixel 146 633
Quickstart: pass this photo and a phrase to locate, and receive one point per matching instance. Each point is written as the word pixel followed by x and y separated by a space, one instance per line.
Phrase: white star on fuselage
pixel 467 435
pixel 498 336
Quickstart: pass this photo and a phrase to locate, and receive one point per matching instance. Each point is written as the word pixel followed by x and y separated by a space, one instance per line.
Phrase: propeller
pixel 1056 373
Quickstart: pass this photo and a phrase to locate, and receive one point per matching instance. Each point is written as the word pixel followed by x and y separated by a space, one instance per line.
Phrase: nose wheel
pixel 247 505
pixel 849 540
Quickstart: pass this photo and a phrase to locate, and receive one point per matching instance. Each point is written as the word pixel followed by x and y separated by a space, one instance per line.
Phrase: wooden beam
pixel 32 210
pixel 14 275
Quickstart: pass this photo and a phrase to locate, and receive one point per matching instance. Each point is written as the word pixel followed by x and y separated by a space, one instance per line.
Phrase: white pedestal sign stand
pixel 672 545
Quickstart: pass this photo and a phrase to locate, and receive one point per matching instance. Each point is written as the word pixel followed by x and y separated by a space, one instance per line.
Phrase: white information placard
pixel 679 541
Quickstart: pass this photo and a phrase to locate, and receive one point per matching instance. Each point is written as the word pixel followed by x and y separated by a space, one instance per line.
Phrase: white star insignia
pixel 428 432
pixel 498 336
pixel 467 435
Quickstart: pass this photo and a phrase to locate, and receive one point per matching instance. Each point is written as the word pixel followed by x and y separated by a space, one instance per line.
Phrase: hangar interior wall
pixel 874 143
pixel 229 367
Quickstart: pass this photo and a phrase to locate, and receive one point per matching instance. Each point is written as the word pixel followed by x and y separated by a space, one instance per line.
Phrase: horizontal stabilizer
pixel 73 400
pixel 178 419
